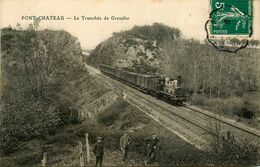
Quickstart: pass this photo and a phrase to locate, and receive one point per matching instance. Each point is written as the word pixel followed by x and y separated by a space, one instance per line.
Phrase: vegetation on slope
pixel 213 76
pixel 206 72
pixel 122 117
pixel 37 92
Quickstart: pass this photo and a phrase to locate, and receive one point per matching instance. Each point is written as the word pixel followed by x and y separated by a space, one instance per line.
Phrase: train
pixel 163 88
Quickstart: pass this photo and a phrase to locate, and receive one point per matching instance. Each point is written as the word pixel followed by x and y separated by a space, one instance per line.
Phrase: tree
pixel 36 24
pixel 36 97
pixel 235 41
pixel 228 150
pixel 30 28
pixel 254 42
pixel 18 26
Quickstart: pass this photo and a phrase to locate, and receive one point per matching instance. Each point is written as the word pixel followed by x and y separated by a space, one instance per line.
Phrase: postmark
pixel 229 19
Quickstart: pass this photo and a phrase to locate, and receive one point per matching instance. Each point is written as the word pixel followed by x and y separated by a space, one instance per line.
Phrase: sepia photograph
pixel 124 83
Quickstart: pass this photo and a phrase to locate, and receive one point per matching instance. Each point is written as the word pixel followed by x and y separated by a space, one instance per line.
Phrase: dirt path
pixel 111 158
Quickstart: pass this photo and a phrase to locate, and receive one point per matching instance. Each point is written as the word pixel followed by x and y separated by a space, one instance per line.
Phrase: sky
pixel 187 15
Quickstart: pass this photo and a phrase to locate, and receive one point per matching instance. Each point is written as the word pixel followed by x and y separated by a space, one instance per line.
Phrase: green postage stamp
pixel 231 17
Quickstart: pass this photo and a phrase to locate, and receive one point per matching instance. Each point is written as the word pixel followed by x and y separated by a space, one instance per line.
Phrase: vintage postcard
pixel 129 83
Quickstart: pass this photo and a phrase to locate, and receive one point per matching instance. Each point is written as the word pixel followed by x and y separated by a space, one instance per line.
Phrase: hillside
pixel 38 70
pixel 39 109
pixel 206 72
pixel 161 49
pixel 137 48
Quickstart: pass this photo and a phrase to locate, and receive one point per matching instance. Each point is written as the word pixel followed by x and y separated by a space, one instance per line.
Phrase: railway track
pixel 193 125
pixel 227 122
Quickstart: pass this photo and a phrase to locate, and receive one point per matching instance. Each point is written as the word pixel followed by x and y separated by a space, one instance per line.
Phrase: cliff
pixel 160 49
pixel 38 74
pixel 137 49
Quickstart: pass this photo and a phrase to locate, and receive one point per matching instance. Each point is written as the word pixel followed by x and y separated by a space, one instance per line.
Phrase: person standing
pixel 152 147
pixel 124 145
pixel 99 151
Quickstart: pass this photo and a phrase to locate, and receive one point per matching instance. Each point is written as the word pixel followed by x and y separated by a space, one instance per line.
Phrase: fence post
pixel 44 160
pixel 81 160
pixel 79 115
pixel 87 149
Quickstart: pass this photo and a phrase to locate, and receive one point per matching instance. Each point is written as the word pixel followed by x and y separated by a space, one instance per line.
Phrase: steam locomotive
pixel 166 89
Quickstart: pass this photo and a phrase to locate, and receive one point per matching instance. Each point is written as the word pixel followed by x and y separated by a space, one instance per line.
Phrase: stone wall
pixel 99 104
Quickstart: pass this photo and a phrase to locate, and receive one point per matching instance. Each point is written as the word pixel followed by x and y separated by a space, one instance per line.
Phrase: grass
pixel 231 106
pixel 62 146
pixel 112 113
pixel 171 151
pixel 60 142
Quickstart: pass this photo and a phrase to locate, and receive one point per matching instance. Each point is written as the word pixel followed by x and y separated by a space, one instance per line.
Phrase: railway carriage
pixel 118 73
pixel 131 78
pixel 163 88
pixel 107 70
pixel 148 83
pixel 122 75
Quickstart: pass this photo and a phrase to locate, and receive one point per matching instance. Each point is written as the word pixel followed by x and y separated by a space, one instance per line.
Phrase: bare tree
pixel 36 24
pixel 18 26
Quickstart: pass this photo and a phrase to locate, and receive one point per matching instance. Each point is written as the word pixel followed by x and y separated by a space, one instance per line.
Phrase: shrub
pixel 138 143
pixel 36 97
pixel 110 136
pixel 112 113
pixel 231 105
pixel 29 158
pixel 230 151
pixel 246 113
pixel 24 121
pixel 171 154
pixel 197 99
pixel 168 153
pixel 107 118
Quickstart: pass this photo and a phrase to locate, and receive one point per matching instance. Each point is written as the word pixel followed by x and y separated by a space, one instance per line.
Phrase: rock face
pixel 46 43
pixel 38 74
pixel 136 49
pixel 126 51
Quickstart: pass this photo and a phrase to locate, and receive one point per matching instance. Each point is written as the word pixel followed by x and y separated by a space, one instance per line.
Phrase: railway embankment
pixel 101 103
pixel 61 146
pixel 188 125
pixel 215 80
pixel 110 124
pixel 42 79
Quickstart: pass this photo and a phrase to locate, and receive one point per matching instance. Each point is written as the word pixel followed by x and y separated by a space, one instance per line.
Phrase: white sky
pixel 187 15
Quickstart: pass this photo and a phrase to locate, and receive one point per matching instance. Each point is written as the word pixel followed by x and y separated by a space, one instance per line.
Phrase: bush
pixel 24 121
pixel 112 113
pixel 37 94
pixel 107 118
pixel 198 99
pixel 229 151
pixel 246 113
pixel 29 158
pixel 170 154
pixel 138 143
pixel 231 105
pixel 110 136
pixel 157 32
pixel 167 153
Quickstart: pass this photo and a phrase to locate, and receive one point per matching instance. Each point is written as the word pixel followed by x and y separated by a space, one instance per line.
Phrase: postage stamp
pixel 231 17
